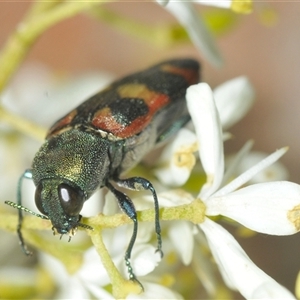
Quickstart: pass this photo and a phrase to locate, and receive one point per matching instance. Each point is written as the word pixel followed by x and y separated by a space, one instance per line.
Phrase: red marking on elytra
pixel 104 120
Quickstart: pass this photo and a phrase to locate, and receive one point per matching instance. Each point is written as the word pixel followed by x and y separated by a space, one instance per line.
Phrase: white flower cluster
pixel 267 207
pixel 264 207
pixel 245 192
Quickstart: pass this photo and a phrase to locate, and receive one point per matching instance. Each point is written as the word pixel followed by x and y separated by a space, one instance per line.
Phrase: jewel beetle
pixel 97 142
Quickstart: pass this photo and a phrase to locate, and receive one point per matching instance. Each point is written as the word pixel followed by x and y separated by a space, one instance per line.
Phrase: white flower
pixel 177 170
pixel 92 277
pixel 89 280
pixel 36 92
pixel 234 98
pixel 187 15
pixel 275 172
pixel 266 207
pixel 237 269
pixel 270 207
pixel 244 6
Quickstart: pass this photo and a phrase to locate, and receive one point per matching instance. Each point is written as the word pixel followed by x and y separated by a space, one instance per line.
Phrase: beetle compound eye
pixel 71 199
pixel 38 199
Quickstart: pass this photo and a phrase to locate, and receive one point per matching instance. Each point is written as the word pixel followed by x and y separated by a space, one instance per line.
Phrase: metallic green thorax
pixel 76 157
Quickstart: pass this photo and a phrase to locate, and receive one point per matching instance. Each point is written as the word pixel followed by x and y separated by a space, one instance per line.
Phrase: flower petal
pixel 72 289
pixel 199 34
pixel 232 164
pixel 222 3
pixel 182 231
pixel 162 2
pixel 144 259
pixel 250 173
pixel 271 207
pixel 236 267
pixel 208 129
pixel 234 99
pixel 274 172
pixel 92 270
pixel 95 204
pixel 75 286
pixel 178 159
pixel 166 199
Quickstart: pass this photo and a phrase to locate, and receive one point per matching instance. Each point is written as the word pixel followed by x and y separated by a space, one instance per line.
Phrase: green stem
pixel 162 35
pixel 194 212
pixel 38 21
pixel 40 7
pixel 121 287
pixel 22 125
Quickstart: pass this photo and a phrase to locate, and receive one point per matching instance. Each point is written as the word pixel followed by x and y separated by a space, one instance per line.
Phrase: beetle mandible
pixel 105 136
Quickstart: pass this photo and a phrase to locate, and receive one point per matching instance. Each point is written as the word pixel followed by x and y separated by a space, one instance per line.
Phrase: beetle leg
pixel 127 206
pixel 142 184
pixel 28 175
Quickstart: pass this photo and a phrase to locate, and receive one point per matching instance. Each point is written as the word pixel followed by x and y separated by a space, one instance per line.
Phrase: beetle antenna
pixel 85 226
pixel 20 207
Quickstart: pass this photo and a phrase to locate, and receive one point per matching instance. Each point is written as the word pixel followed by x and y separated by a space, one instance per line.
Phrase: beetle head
pixel 61 203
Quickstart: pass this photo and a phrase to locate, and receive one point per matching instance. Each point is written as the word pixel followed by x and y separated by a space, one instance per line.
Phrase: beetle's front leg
pixel 28 175
pixel 127 206
pixel 142 184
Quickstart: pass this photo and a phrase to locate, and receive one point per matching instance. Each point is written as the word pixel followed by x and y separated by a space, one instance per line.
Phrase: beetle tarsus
pixel 127 206
pixel 22 243
pixel 142 184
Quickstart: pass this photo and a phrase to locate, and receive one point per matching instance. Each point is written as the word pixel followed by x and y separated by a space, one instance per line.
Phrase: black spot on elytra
pixel 126 110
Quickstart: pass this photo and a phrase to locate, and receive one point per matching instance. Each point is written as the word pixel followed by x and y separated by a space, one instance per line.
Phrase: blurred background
pixel 269 55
